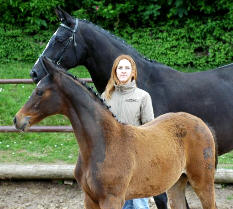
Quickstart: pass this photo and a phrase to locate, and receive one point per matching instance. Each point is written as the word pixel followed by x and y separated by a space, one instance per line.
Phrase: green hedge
pixel 199 44
pixel 178 33
pixel 17 45
pixel 112 14
pixel 33 15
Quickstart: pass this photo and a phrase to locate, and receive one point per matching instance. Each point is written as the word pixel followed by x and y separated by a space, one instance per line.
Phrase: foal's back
pixel 166 147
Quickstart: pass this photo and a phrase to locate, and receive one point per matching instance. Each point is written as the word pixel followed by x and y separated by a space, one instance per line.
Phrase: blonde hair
pixel 113 78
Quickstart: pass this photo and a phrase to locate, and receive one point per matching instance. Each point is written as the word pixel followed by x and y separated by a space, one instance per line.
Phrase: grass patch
pixel 226 161
pixel 15 70
pixel 22 70
pixel 230 197
pixel 38 147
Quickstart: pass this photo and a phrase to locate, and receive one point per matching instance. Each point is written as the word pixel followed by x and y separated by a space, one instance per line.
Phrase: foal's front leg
pixel 112 202
pixel 89 203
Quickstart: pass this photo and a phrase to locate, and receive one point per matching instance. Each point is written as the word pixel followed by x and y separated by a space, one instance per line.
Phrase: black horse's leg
pixel 187 205
pixel 161 201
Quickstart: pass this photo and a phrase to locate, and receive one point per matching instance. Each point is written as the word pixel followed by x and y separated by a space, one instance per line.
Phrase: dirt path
pixel 56 195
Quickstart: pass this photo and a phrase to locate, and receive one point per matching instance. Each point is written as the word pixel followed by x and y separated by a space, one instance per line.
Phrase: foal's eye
pixel 39 92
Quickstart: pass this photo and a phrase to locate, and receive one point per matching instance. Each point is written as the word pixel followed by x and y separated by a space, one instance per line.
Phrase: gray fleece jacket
pixel 130 104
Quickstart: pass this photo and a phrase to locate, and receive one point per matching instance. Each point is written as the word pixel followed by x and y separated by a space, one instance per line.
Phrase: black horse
pixel 207 94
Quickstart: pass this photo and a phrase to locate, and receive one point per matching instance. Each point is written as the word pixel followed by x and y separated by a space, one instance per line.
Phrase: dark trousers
pixel 161 201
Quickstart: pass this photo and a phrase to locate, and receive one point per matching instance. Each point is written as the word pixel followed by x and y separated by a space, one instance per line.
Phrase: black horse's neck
pixel 103 48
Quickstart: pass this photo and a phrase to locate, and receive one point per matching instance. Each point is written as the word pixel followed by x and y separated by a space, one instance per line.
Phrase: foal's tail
pixel 216 145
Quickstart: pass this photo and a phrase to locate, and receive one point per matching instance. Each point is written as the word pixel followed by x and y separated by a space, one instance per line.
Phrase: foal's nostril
pixel 14 120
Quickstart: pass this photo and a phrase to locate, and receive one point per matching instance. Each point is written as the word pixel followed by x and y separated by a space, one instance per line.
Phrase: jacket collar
pixel 126 88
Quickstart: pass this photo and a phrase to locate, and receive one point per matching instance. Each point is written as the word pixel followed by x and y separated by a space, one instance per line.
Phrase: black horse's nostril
pixel 14 120
pixel 33 75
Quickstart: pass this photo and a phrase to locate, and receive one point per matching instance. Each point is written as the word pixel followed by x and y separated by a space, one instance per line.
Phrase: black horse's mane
pixel 128 46
pixel 111 35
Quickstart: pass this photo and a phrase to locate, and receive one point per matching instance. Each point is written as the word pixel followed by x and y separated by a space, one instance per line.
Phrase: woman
pixel 130 104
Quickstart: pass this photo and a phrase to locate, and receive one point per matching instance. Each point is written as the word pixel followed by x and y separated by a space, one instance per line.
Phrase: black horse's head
pixel 65 47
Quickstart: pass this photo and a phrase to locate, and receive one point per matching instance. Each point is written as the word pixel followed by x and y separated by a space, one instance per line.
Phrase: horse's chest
pixel 88 179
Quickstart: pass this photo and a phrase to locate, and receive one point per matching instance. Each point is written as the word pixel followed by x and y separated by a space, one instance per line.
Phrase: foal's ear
pixel 63 16
pixel 50 66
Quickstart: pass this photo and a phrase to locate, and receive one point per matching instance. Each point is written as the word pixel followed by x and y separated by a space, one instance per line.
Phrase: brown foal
pixel 118 162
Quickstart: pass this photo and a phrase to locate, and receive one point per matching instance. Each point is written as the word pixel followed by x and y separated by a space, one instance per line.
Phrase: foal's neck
pixel 87 116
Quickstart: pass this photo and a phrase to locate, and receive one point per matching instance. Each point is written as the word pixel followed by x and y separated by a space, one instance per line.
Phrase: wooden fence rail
pixel 7 129
pixel 59 171
pixel 29 81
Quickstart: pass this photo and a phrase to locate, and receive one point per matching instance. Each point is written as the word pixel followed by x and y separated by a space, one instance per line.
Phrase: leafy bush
pixel 198 44
pixel 19 46
pixel 111 14
pixel 177 33
pixel 135 13
pixel 33 14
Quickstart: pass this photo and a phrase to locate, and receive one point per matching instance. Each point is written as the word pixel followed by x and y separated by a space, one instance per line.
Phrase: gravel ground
pixel 56 194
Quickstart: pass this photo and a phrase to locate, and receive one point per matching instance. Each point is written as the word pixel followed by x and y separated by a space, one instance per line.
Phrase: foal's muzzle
pixel 22 124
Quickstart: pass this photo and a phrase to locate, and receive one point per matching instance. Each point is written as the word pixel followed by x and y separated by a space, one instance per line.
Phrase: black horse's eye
pixel 39 92
pixel 60 39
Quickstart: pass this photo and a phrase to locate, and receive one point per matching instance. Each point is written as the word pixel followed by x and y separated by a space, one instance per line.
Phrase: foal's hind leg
pixel 176 193
pixel 206 194
pixel 202 181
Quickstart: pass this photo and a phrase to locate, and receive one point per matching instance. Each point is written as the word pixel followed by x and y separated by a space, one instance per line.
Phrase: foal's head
pixel 46 99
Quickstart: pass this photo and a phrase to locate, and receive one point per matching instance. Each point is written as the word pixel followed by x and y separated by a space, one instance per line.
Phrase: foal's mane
pixel 90 89
pixel 112 36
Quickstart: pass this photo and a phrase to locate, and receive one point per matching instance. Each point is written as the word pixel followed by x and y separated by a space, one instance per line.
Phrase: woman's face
pixel 124 71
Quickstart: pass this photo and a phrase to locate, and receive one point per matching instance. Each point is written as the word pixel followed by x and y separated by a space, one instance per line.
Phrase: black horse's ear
pixel 59 13
pixel 63 16
pixel 51 68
